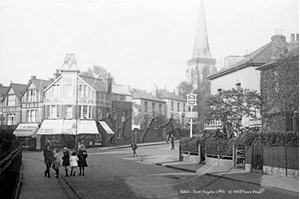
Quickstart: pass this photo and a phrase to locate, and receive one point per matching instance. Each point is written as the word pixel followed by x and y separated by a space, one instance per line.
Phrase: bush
pixel 273 139
pixel 219 146
pixel 191 145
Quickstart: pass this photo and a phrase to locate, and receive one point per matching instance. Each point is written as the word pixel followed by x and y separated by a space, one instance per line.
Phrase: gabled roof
pixel 70 63
pixel 294 52
pixel 17 88
pixel 256 58
pixel 95 83
pixel 40 84
pixel 164 94
pixel 140 94
pixel 3 90
pixel 120 89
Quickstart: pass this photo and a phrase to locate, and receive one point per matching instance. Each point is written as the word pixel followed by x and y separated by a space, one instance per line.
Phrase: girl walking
pixel 56 162
pixel 66 159
pixel 73 163
pixel 82 155
pixel 48 158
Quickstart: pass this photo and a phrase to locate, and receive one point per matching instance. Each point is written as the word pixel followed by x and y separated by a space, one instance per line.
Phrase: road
pixel 115 174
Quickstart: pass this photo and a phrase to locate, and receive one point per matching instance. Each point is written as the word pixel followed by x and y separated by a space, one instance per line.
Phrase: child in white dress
pixel 73 163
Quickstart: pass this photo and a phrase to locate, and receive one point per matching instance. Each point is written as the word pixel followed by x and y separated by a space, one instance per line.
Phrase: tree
pixel 98 72
pixel 230 106
pixel 184 89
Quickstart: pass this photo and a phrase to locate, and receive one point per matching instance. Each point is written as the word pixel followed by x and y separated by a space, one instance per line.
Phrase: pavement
pixel 266 181
pixel 32 183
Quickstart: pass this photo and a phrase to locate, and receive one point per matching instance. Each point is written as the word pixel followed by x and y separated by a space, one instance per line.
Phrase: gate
pixel 257 156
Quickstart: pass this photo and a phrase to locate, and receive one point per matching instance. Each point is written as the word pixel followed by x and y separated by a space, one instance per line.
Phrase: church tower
pixel 201 64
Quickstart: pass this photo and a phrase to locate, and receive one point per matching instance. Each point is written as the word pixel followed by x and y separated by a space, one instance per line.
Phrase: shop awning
pixel 87 127
pixel 51 127
pixel 68 127
pixel 106 127
pixel 26 130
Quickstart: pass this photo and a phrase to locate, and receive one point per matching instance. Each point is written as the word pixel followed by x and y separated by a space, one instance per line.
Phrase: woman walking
pixel 66 159
pixel 82 155
pixel 48 157
pixel 73 163
pixel 56 162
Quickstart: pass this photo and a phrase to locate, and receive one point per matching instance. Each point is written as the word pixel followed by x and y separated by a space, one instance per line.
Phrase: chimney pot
pixel 292 37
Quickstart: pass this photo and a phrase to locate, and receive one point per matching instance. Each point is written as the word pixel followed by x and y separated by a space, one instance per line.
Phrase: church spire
pixel 201 47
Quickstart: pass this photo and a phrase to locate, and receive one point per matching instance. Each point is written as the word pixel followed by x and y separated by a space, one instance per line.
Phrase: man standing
pixel 48 157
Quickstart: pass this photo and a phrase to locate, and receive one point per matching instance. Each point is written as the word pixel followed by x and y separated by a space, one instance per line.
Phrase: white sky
pixel 141 43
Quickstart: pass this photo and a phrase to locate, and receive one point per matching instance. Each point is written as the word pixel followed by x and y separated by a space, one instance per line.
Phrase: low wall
pixel 219 162
pixel 191 158
pixel 281 172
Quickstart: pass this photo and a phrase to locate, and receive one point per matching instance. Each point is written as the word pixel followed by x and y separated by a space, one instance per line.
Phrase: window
pixel 11 100
pixel 54 111
pixel 32 95
pixel 10 119
pixel 172 105
pixel 69 90
pixel 178 106
pixel 238 86
pixel 153 106
pixel 31 116
pixel 183 107
pixel 159 107
pixel 82 91
pixel 85 112
pixel 69 112
pixel 56 90
pixel 146 106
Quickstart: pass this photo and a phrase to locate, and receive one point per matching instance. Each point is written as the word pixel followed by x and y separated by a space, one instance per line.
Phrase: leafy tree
pixel 184 89
pixel 97 72
pixel 230 106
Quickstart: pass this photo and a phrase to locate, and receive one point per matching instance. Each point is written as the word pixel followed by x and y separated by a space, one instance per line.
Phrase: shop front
pixel 26 133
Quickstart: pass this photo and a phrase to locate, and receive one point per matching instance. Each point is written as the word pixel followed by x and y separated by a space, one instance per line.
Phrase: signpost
pixel 191 102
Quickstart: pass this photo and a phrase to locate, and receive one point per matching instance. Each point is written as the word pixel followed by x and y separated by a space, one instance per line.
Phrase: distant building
pixel 243 73
pixel 145 105
pixel 201 64
pixel 11 104
pixel 73 103
pixel 175 105
pixel 3 90
pixel 32 113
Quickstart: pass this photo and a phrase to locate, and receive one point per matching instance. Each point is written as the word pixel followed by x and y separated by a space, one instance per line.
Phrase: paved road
pixel 116 174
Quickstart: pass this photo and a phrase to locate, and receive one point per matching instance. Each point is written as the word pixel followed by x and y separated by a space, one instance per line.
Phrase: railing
pixel 10 172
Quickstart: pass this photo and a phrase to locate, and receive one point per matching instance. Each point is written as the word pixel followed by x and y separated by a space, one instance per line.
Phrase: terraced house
pixel 73 103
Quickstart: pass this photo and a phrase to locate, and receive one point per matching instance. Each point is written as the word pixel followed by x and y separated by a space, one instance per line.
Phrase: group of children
pixel 75 160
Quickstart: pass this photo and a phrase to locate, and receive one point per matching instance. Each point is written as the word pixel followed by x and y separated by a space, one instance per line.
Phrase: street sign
pixel 191 114
pixel 191 99
pixel 213 124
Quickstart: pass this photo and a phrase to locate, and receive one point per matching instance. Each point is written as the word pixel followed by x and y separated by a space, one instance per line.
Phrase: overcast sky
pixel 141 43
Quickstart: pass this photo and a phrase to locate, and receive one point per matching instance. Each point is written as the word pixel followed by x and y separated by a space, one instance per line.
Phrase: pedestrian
pixel 48 157
pixel 66 159
pixel 172 142
pixel 134 147
pixel 82 155
pixel 73 163
pixel 167 138
pixel 56 162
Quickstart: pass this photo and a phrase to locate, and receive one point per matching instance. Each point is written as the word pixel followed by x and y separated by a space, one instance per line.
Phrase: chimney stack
pixel 292 37
pixel 279 46
pixel 154 91
pixel 56 74
pixel 108 82
pixel 33 77
pixel 51 79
